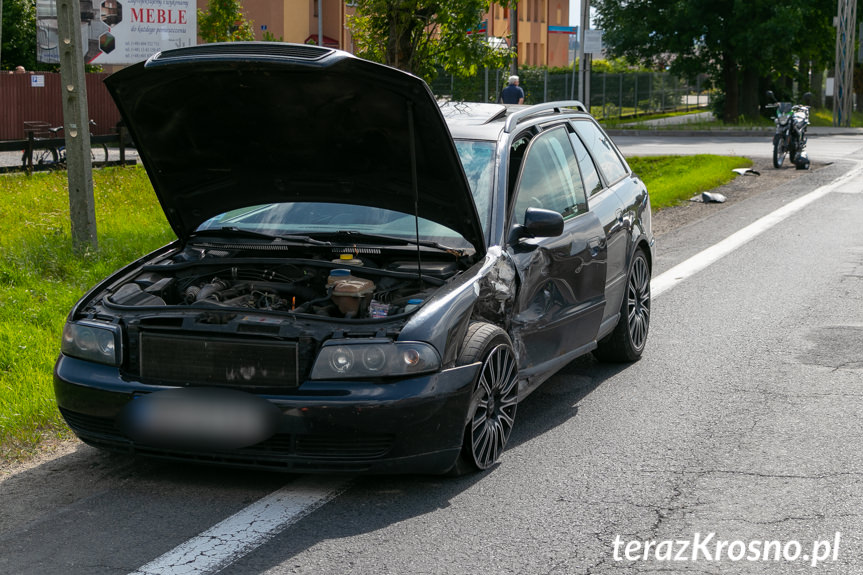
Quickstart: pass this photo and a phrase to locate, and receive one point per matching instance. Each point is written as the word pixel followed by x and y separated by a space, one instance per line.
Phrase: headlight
pixel 93 341
pixel 346 359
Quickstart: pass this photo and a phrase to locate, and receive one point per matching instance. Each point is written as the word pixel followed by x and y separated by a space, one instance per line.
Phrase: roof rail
pixel 513 120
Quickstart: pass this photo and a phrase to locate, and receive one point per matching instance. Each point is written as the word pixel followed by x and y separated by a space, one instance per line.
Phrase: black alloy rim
pixel 638 303
pixel 496 396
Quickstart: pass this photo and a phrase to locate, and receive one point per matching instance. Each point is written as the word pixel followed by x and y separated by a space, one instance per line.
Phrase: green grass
pixel 821 117
pixel 824 117
pixel 631 118
pixel 42 276
pixel 674 179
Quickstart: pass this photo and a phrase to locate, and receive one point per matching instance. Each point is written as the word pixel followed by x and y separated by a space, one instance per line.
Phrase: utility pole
pixel 76 125
pixel 320 23
pixel 513 28
pixel 844 74
pixel 584 59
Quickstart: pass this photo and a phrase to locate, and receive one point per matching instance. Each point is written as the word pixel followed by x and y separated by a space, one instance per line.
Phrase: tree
pixel 223 21
pixel 418 35
pixel 734 42
pixel 18 34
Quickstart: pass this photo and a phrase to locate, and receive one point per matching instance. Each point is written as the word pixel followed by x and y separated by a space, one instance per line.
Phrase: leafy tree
pixel 420 35
pixel 19 34
pixel 223 21
pixel 736 42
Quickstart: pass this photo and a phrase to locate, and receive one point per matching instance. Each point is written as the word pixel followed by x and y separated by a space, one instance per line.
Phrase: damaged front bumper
pixel 409 425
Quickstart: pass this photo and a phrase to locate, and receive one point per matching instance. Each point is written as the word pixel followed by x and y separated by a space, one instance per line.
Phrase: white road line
pixel 248 529
pixel 703 259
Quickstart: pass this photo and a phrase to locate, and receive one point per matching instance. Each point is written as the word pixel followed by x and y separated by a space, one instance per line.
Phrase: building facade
pixel 297 21
pixel 536 45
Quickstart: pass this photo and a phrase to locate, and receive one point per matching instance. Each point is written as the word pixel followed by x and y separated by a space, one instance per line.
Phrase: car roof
pixel 482 121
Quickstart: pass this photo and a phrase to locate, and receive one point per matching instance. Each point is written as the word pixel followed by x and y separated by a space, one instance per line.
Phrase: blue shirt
pixel 511 94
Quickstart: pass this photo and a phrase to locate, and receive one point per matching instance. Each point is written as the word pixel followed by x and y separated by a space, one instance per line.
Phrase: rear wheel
pixel 494 401
pixel 629 337
pixel 778 151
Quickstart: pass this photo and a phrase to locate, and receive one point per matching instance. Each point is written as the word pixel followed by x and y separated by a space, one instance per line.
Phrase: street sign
pixel 593 41
pixel 481 29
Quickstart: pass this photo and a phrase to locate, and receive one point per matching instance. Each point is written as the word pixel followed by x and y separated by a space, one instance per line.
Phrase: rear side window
pixel 592 181
pixel 602 150
pixel 550 178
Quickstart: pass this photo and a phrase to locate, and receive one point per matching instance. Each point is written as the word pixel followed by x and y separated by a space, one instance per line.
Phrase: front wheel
pixel 46 157
pixel 494 401
pixel 99 154
pixel 778 151
pixel 626 343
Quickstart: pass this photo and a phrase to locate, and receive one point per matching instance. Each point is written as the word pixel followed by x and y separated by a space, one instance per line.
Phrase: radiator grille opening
pixel 214 361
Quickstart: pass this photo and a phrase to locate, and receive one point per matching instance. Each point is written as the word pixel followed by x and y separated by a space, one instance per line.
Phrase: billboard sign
pixel 120 31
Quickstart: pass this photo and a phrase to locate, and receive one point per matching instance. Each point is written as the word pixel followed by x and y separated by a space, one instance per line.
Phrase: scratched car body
pixel 364 280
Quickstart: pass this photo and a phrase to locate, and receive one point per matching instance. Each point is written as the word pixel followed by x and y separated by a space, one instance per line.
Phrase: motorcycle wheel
pixel 778 151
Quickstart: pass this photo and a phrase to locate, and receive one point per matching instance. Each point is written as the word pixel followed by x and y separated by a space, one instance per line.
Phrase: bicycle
pixel 52 156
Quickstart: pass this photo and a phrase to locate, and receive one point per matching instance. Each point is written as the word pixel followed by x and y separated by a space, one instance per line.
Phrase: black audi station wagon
pixel 364 280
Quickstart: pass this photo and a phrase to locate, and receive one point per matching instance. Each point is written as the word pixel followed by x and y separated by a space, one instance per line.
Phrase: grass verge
pixel 42 276
pixel 674 179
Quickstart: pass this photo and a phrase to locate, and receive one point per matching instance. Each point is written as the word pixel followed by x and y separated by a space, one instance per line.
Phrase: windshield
pixel 477 158
pixel 310 218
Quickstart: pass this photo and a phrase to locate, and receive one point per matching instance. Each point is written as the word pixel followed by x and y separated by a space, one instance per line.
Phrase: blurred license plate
pixel 199 418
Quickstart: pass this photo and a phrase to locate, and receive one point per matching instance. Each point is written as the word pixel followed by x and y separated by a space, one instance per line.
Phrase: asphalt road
pixel 740 421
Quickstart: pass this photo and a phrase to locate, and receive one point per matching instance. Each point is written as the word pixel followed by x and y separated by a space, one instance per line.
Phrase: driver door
pixel 562 297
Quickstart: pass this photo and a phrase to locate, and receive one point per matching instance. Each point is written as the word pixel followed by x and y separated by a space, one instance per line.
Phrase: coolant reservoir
pixel 338 275
pixel 350 292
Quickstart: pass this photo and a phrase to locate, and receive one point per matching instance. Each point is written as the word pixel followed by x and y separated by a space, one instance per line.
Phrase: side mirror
pixel 770 96
pixel 538 223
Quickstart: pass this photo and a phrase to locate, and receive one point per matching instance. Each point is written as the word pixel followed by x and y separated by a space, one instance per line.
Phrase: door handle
pixel 594 245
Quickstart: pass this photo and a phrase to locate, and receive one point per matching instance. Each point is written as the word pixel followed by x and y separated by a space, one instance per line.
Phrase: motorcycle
pixel 791 123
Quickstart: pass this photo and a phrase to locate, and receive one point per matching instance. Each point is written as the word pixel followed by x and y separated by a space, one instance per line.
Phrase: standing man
pixel 512 94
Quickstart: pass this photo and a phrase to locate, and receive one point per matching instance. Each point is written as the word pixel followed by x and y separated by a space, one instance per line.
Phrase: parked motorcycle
pixel 791 123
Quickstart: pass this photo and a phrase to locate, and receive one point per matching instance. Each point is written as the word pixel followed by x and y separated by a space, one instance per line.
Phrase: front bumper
pixel 411 425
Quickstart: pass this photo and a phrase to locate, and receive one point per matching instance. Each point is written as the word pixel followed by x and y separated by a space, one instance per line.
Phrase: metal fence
pixel 35 99
pixel 611 95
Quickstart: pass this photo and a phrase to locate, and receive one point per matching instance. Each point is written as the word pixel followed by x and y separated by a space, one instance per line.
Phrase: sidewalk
pixel 14 158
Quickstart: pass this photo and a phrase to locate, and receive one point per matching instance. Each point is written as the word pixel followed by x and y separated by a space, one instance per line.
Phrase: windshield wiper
pixel 351 236
pixel 235 231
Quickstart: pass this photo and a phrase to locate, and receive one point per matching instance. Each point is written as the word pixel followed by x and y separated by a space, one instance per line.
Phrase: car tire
pixel 626 343
pixel 494 400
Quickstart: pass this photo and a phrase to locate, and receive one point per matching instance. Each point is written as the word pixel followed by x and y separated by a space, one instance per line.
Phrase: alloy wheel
pixel 496 403
pixel 638 302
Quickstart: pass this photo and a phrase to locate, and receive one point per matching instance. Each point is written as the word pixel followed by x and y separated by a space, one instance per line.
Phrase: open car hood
pixel 225 126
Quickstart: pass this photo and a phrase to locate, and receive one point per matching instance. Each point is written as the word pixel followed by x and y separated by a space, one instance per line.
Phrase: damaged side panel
pixel 562 309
